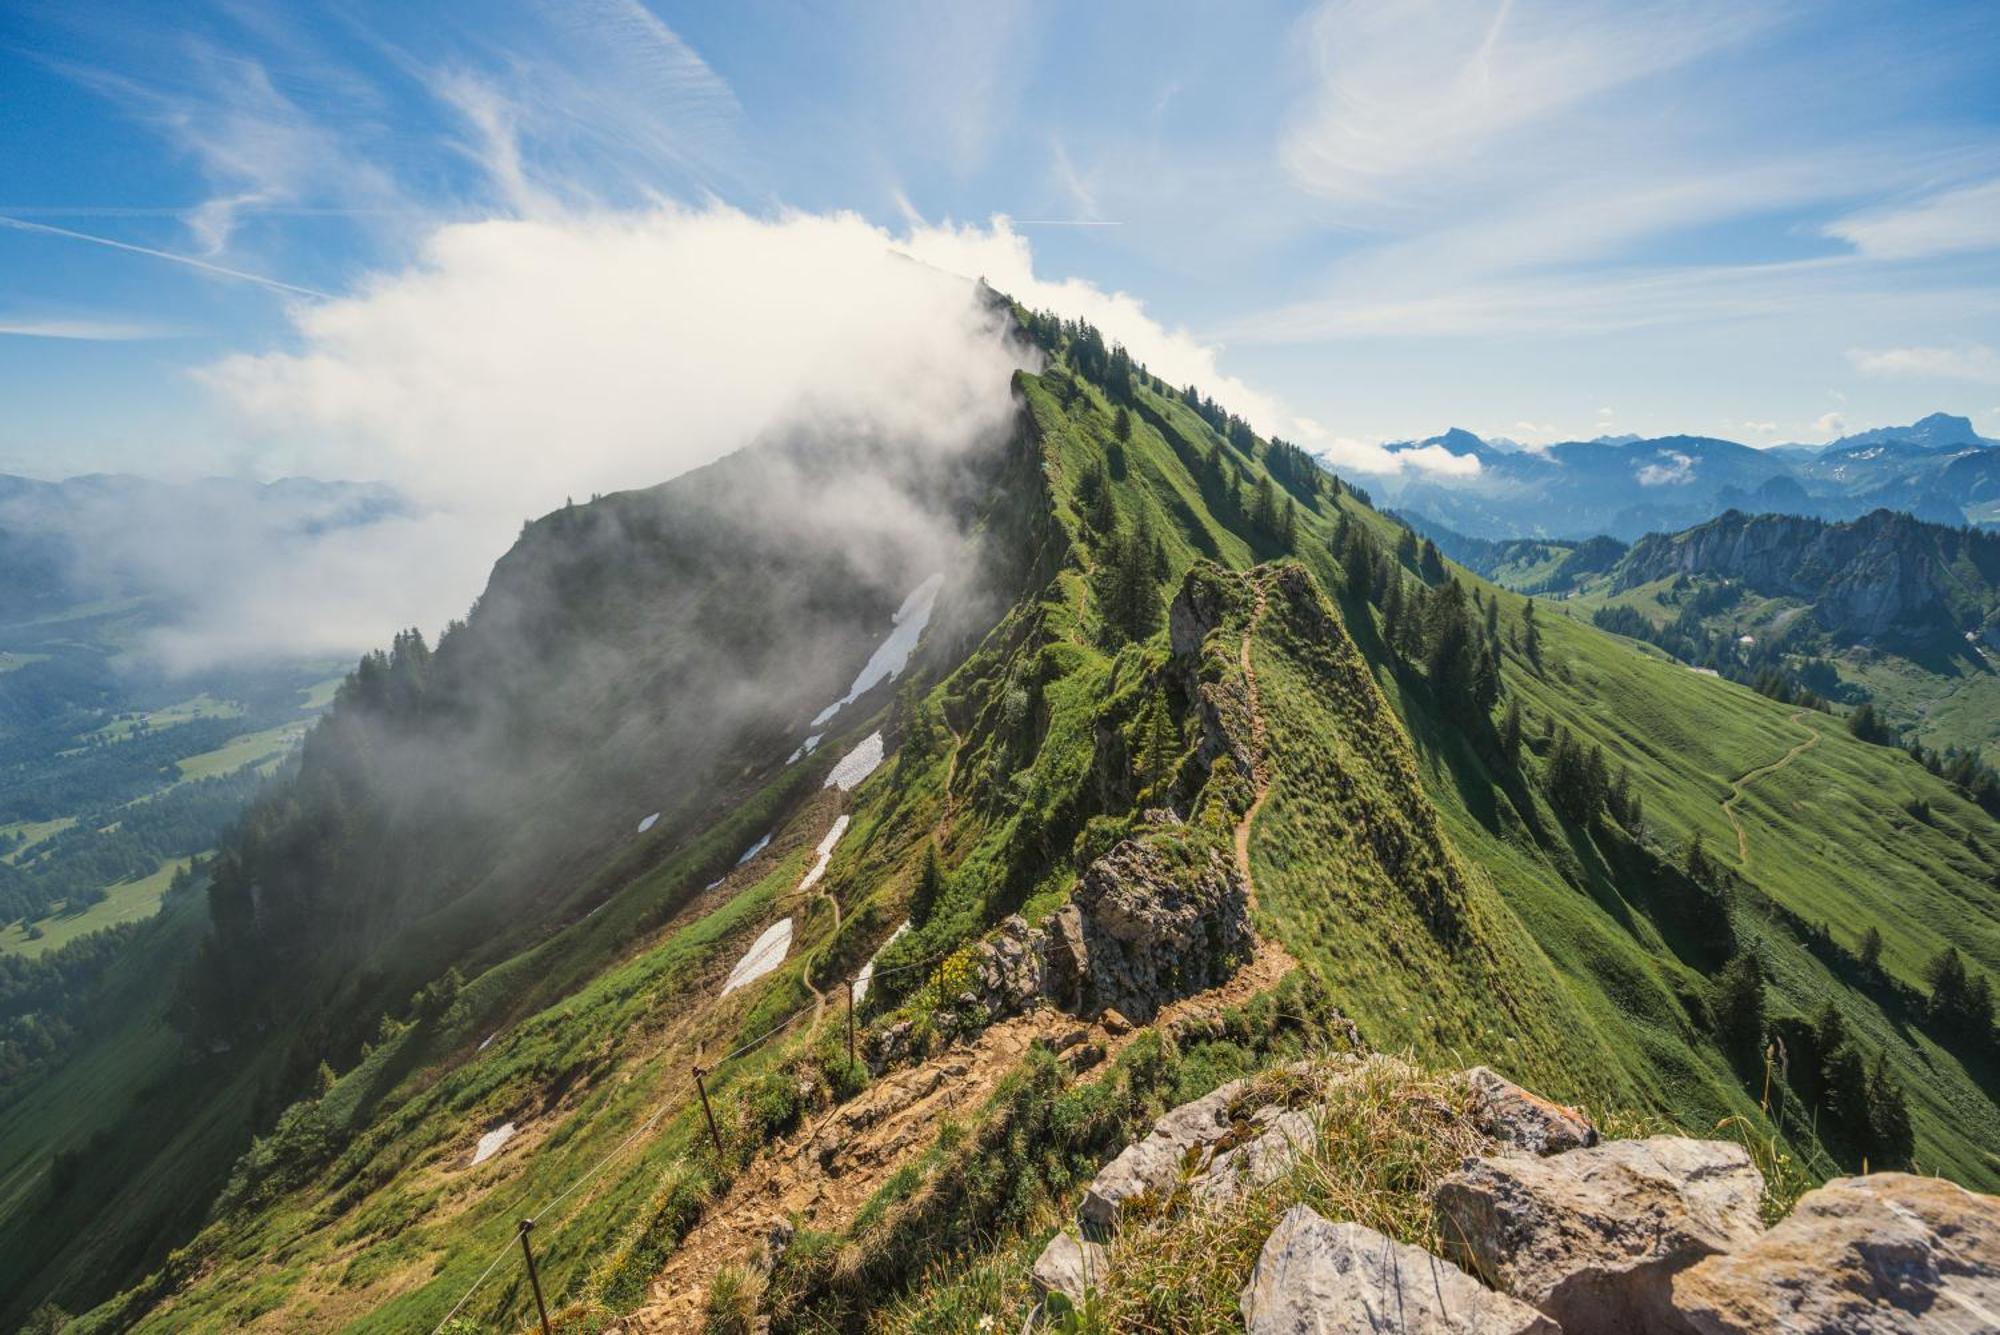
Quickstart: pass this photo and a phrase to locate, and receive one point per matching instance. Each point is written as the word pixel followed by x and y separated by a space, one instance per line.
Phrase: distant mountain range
pixel 1938 469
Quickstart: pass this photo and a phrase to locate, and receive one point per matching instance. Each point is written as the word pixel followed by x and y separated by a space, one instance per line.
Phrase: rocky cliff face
pixel 1883 574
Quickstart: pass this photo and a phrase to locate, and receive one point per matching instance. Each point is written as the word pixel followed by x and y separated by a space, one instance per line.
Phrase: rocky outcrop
pixel 1594 1237
pixel 1566 1233
pixel 1154 919
pixel 1525 1121
pixel 1880 1254
pixel 1314 1277
pixel 1161 916
pixel 1221 703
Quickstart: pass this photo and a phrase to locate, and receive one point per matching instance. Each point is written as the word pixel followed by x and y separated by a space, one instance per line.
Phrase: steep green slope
pixel 1445 891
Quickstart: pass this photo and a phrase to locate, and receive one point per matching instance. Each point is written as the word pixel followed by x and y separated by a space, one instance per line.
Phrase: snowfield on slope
pixel 490 1143
pixel 825 851
pixel 766 953
pixel 893 654
pixel 857 764
pixel 867 974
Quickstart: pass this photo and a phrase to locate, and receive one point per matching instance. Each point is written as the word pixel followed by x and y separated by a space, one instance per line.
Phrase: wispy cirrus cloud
pixel 1973 361
pixel 1408 100
pixel 1948 222
pixel 90 329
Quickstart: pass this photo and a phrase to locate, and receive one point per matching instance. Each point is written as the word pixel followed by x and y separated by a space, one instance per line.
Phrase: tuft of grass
pixel 731 1308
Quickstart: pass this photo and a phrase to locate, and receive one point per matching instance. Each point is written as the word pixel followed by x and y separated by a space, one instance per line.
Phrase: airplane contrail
pixel 22 225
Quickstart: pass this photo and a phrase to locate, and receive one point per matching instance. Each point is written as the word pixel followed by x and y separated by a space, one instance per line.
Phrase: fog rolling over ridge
pixel 648 651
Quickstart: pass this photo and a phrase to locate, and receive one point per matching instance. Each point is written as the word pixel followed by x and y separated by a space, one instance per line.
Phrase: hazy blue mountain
pixel 1937 469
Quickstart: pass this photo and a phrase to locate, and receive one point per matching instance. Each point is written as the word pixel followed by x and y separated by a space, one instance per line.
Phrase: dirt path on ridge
pixel 1741 785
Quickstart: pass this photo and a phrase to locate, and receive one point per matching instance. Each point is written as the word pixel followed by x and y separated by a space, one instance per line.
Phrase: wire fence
pixel 677 1102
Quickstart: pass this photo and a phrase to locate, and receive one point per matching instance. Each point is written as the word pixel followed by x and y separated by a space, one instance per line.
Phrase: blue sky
pixel 1368 221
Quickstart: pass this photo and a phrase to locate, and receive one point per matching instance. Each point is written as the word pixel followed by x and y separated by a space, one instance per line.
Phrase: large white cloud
pixel 517 362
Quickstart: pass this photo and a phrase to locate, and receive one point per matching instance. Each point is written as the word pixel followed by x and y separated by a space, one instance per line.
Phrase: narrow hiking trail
pixel 1742 785
pixel 825 1172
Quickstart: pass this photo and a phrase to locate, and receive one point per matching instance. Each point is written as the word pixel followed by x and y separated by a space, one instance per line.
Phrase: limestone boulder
pixel 1264 1159
pixel 1152 1166
pixel 1872 1255
pixel 1314 1277
pixel 1525 1121
pixel 1594 1237
pixel 1070 1266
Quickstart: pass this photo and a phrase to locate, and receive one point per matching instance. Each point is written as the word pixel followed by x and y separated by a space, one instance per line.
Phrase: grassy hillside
pixel 1427 871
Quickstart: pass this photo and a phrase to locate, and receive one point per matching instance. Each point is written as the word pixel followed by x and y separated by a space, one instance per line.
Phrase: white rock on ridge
pixel 893 654
pixel 648 822
pixel 1878 1255
pixel 1069 1266
pixel 857 764
pixel 1260 1161
pixel 1513 1116
pixel 1320 1278
pixel 764 955
pixel 1595 1237
pixel 1152 1166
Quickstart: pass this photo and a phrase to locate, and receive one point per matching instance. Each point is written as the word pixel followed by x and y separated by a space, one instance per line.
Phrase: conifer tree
pixel 1392 616
pixel 1431 563
pixel 929 888
pixel 1159 746
pixel 1739 1010
pixel 1869 949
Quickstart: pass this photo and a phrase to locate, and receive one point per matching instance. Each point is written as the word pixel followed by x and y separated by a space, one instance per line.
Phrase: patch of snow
pixel 647 823
pixel 1746 639
pixel 593 912
pixel 490 1143
pixel 806 748
pixel 825 851
pixel 893 654
pixel 766 953
pixel 488 1039
pixel 755 849
pixel 867 974
pixel 857 764
pixel 1706 672
pixel 712 884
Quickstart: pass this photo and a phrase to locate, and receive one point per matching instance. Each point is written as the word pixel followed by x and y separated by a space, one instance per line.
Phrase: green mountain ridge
pixel 1478 842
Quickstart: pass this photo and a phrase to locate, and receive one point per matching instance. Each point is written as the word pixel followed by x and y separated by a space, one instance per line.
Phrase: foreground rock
pixel 1595 1237
pixel 1319 1278
pixel 1151 1168
pixel 1887 1253
pixel 1261 1161
pixel 1513 1116
pixel 1069 1266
